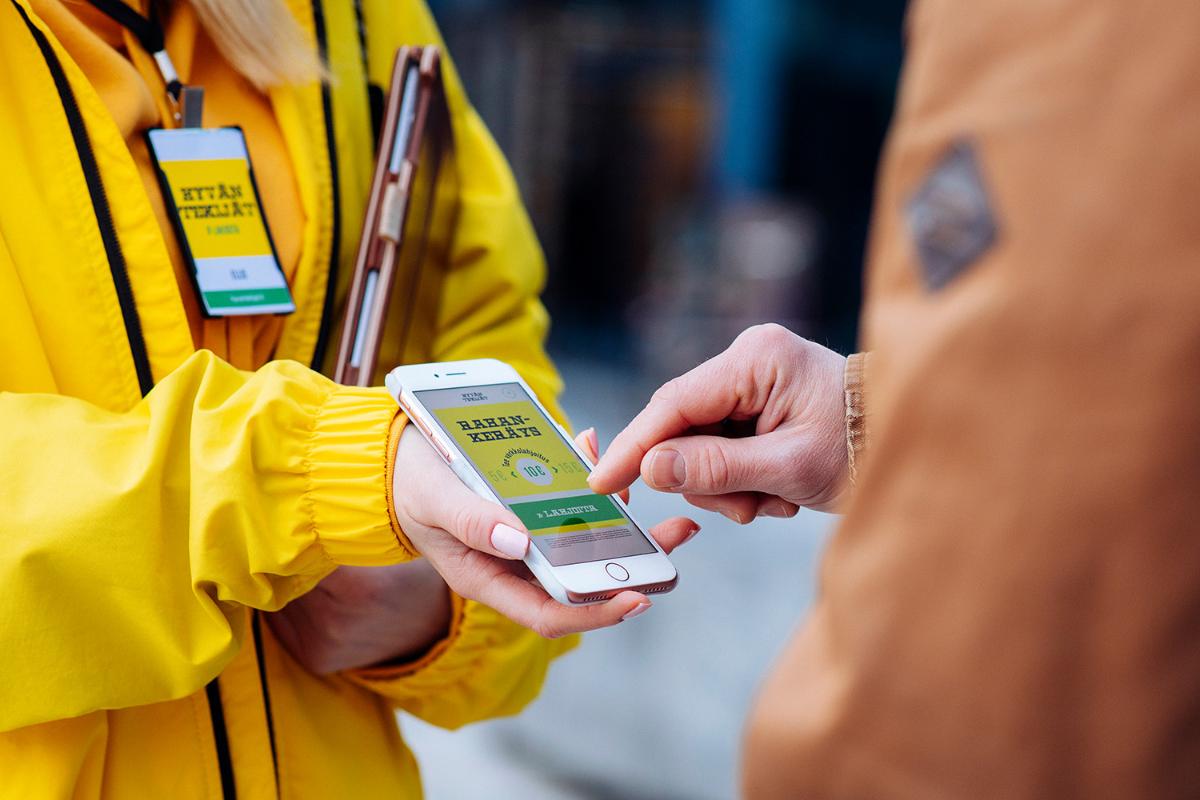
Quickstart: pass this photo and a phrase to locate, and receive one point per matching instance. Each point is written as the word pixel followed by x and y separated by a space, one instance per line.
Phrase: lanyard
pixel 186 101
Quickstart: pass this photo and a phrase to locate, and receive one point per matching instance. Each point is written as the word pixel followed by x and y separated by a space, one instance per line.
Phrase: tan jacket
pixel 1012 605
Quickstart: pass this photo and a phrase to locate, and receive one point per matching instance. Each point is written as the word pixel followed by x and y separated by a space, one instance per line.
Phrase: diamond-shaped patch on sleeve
pixel 950 217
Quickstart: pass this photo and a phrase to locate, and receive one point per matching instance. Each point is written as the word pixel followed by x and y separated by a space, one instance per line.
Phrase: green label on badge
pixel 566 511
pixel 234 298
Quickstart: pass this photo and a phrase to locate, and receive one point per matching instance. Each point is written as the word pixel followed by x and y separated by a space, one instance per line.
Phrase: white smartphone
pixel 488 425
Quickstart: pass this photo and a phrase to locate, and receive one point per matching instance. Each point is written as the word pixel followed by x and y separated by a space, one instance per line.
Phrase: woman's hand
pixel 359 616
pixel 757 430
pixel 477 545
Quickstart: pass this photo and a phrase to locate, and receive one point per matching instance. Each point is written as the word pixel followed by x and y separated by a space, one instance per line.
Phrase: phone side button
pixel 616 572
pixel 441 448
pixel 434 440
pixel 421 424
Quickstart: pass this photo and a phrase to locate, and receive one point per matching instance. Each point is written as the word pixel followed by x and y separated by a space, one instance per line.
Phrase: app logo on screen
pixel 522 456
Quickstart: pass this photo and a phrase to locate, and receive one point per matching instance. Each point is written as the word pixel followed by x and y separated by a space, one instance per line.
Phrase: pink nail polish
pixel 637 610
pixel 509 541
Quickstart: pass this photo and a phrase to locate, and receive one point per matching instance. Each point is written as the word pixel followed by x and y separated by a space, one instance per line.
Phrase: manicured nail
pixel 667 469
pixel 690 536
pixel 732 516
pixel 509 541
pixel 774 508
pixel 593 440
pixel 637 610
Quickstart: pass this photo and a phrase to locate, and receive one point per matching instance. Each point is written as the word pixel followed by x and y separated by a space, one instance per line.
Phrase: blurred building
pixel 691 167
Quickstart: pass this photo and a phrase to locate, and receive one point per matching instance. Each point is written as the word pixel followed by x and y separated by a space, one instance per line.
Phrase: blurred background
pixel 692 167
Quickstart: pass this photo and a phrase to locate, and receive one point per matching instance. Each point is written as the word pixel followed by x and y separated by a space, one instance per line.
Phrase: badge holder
pixel 212 197
pixel 210 193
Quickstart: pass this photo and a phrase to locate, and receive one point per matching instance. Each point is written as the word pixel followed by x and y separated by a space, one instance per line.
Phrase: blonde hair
pixel 262 41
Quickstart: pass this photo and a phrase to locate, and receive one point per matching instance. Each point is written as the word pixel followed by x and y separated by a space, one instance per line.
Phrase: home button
pixel 616 571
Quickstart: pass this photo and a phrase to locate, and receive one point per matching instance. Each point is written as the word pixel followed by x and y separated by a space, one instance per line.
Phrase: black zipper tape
pixel 375 94
pixel 256 627
pixel 216 712
pixel 104 219
pixel 327 315
pixel 133 325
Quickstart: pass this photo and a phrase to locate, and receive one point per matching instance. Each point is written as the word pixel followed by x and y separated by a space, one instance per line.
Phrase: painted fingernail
pixel 593 440
pixel 774 508
pixel 510 541
pixel 667 469
pixel 637 610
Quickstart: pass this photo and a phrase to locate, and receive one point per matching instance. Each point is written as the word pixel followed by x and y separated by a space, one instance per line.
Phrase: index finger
pixel 708 393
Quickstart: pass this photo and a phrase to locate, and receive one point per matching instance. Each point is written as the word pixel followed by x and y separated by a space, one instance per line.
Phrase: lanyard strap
pixel 149 33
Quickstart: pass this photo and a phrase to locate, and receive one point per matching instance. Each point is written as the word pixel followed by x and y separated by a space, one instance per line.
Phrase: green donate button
pixel 578 510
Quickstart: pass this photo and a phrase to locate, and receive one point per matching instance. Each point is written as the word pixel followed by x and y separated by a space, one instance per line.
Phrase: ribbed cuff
pixel 348 488
pixel 857 434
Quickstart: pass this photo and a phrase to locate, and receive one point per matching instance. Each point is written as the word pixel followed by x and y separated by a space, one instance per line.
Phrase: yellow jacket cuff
pixel 349 478
pixel 486 666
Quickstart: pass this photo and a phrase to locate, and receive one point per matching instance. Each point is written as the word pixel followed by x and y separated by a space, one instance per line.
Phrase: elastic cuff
pixel 857 434
pixel 393 442
pixel 347 492
pixel 393 671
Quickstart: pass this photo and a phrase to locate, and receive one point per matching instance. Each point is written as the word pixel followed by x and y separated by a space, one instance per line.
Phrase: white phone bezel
pixel 575 584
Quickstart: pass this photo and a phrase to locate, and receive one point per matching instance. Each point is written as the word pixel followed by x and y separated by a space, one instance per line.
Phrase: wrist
pixel 395 431
pixel 824 446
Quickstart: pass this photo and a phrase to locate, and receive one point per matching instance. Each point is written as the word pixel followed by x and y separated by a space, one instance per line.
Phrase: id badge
pixel 209 189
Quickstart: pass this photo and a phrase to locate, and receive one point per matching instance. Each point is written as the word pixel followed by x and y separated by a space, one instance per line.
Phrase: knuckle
pixel 772 334
pixel 547 630
pixel 715 470
pixel 456 572
pixel 465 525
pixel 666 394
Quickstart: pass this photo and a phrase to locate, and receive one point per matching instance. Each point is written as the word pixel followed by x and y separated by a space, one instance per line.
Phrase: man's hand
pixel 757 430
pixel 477 545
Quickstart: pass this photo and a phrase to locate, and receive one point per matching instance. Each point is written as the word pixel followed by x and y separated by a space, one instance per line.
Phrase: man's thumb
pixel 706 465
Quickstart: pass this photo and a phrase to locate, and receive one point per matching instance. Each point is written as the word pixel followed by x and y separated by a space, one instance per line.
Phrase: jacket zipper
pixel 260 656
pixel 104 220
pixel 327 315
pixel 133 324
pixel 216 713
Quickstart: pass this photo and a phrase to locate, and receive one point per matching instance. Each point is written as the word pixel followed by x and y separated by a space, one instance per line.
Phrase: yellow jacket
pixel 141 530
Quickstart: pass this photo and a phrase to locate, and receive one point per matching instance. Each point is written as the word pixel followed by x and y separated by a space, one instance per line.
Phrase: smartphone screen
pixel 536 474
